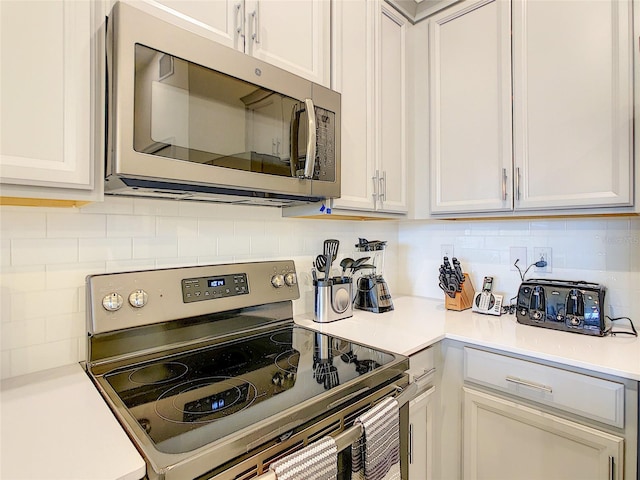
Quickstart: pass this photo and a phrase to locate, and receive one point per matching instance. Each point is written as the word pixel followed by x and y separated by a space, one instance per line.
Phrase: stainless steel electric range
pixel 209 375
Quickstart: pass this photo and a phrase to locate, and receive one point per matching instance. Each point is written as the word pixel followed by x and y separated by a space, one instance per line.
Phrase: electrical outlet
pixel 520 254
pixel 542 253
pixel 446 251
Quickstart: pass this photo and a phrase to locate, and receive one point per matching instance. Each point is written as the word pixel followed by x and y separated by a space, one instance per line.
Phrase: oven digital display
pixel 210 288
pixel 215 282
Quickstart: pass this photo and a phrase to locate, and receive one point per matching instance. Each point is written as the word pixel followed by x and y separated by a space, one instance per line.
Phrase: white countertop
pixel 55 425
pixel 415 323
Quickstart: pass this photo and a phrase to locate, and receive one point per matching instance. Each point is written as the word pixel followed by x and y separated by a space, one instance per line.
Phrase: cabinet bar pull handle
pixel 526 383
pixel 411 443
pixel 611 468
pixel 424 375
pixel 504 184
pixel 383 186
pixel 375 179
pixel 240 17
pixel 518 183
pixel 256 24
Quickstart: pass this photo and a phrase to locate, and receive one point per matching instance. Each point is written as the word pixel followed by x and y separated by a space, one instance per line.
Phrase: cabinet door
pixel 45 94
pixel 353 23
pixel 294 36
pixel 421 436
pixel 219 20
pixel 470 96
pixel 507 440
pixel 391 137
pixel 572 103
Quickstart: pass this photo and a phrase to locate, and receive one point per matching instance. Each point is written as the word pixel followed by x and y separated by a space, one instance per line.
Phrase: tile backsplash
pixel 46 254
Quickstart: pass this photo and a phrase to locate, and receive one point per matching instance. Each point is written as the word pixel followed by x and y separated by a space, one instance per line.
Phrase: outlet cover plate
pixel 542 253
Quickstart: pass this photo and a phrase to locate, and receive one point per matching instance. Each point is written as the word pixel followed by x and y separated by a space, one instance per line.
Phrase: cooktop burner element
pixel 198 381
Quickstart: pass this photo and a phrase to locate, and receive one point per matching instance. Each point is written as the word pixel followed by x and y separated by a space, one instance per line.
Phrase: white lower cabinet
pixel 503 439
pixel 421 436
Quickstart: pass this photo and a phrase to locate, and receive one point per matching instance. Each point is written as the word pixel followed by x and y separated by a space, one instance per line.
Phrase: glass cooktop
pixel 187 400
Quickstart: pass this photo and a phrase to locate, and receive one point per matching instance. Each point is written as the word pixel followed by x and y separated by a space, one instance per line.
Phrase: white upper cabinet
pixel 573 110
pixel 470 122
pixel 47 120
pixel 568 146
pixel 370 73
pixel 293 35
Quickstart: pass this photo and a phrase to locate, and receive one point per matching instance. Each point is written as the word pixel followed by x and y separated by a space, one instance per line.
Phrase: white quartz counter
pixel 415 323
pixel 55 425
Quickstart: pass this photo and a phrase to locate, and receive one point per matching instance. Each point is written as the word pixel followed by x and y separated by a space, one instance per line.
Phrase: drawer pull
pixel 526 383
pixel 424 375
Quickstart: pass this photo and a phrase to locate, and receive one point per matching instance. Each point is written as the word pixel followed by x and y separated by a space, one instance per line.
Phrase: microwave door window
pixel 186 112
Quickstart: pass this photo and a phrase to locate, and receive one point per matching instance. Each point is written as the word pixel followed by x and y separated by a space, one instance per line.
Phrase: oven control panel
pixel 219 286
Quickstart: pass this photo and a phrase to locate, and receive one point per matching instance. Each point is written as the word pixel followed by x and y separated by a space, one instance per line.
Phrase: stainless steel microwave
pixel 188 118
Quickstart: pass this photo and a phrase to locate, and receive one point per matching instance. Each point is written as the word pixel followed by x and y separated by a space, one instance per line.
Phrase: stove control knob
pixel 112 302
pixel 138 299
pixel 277 281
pixel 290 279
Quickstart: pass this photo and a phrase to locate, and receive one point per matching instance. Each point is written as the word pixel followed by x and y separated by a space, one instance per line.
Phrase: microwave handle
pixel 311 139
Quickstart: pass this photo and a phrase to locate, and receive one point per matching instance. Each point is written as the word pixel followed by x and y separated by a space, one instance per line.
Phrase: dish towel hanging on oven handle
pixel 318 461
pixel 376 455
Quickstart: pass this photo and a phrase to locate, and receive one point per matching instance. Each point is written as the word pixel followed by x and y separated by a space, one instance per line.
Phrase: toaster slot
pixel 537 304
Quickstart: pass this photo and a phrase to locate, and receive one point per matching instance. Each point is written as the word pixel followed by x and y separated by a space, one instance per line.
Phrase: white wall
pixel 46 253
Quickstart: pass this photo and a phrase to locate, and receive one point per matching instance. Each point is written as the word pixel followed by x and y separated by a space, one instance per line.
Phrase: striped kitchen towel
pixel 376 456
pixel 318 461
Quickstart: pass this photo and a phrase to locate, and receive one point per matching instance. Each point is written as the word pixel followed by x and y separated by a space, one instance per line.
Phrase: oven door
pixel 255 465
pixel 192 118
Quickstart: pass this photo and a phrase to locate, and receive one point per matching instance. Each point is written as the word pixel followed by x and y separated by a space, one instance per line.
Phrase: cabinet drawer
pixel 422 364
pixel 591 397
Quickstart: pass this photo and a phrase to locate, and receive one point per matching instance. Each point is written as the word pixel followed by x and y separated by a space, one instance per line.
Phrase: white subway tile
pixel 130 226
pixel 104 249
pixel 23 279
pixel 43 356
pixel 75 225
pixel 234 246
pixel 71 275
pixel 176 262
pixel 155 207
pixel 111 205
pixel 176 227
pixel 155 247
pixel 43 251
pixel 22 334
pixel 22 223
pixel 5 364
pixel 265 245
pixel 215 228
pixel 190 246
pixel 5 251
pixel 63 327
pixel 48 302
pixel 130 265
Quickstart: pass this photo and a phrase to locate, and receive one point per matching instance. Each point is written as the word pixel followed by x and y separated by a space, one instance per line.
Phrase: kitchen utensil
pixel 321 264
pixel 331 248
pixel 363 266
pixel 359 262
pixel 345 264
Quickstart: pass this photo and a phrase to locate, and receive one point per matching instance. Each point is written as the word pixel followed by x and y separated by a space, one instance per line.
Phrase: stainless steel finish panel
pixel 165 294
pixel 127 26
